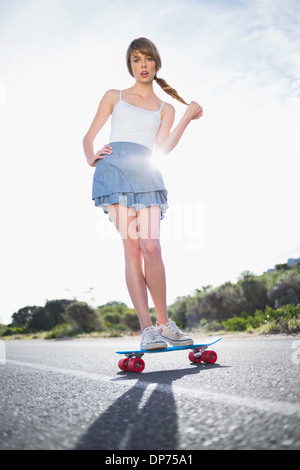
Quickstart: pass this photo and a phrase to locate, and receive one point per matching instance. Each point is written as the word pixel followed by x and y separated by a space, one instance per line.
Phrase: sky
pixel 233 179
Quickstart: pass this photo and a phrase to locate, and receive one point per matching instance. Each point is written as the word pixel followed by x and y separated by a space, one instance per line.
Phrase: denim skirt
pixel 128 177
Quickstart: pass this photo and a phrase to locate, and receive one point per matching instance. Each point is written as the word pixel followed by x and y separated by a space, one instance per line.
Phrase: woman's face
pixel 143 67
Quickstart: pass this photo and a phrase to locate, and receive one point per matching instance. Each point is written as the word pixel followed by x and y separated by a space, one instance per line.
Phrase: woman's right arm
pixel 105 109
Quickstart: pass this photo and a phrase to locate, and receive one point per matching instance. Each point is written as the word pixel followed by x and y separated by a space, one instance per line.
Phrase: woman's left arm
pixel 166 140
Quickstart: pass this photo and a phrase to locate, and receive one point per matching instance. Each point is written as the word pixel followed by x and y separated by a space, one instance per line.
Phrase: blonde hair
pixel 148 48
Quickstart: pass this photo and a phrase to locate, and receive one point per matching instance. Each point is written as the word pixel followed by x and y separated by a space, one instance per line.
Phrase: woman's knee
pixel 150 248
pixel 132 248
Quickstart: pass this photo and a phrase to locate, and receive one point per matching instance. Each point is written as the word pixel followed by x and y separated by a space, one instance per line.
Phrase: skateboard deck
pixel 133 361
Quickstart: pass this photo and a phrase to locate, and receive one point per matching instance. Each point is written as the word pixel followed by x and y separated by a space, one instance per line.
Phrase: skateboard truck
pixel 199 354
pixel 198 351
pixel 131 355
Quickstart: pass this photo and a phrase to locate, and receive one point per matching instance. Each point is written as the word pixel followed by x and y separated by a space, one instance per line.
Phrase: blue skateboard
pixel 133 361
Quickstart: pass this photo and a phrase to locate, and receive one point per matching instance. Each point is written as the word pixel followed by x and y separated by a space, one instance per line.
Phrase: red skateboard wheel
pixel 193 358
pixel 136 364
pixel 209 357
pixel 123 364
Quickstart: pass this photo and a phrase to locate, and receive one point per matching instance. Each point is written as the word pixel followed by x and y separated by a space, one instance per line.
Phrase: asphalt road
pixel 63 395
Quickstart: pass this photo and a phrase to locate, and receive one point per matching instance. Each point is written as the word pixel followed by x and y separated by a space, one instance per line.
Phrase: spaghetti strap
pixel 121 95
pixel 161 107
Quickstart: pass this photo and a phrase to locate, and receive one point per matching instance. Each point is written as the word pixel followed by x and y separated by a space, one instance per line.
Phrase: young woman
pixel 131 190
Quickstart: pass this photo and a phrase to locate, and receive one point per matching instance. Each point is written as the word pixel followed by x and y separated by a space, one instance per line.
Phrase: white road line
pixel 262 405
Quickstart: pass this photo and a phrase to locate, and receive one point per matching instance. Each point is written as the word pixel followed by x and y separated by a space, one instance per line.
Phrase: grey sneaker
pixel 173 335
pixel 151 339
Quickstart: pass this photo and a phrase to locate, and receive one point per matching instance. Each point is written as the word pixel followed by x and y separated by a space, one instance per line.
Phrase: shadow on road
pixel 144 417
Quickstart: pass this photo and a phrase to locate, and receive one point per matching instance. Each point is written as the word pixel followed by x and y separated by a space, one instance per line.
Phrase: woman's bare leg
pixel 149 233
pixel 125 222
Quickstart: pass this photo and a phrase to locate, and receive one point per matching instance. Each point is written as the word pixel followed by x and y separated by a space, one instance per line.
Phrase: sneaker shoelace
pixel 173 327
pixel 152 334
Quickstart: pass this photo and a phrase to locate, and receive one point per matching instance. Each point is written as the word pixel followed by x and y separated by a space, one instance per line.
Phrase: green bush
pixel 285 319
pixel 112 318
pixel 284 325
pixel 61 331
pixel 236 324
pixel 83 317
pixel 131 320
pixel 14 330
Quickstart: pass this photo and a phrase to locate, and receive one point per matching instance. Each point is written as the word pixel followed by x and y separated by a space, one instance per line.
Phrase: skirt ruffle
pixel 137 200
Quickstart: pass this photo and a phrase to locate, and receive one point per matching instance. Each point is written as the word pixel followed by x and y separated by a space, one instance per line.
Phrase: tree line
pixel 272 298
pixel 245 298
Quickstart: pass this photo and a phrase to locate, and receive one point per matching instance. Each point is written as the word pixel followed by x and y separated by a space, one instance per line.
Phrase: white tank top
pixel 132 124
